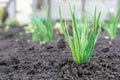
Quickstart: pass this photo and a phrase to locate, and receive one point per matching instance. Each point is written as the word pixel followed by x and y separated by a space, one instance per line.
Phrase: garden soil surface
pixel 25 60
pixel 14 33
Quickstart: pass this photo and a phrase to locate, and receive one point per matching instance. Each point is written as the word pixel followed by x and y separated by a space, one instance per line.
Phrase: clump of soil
pixel 22 60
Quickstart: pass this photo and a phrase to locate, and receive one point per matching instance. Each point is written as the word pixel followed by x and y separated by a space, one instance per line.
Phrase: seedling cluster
pixel 111 26
pixel 42 31
pixel 83 38
pixel 83 41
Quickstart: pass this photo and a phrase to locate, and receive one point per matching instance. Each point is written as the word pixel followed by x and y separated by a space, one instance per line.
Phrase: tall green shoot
pixel 83 42
pixel 111 26
pixel 42 31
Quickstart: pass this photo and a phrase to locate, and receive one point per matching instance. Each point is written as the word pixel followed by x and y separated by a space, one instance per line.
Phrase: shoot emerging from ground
pixel 111 26
pixel 84 39
pixel 42 31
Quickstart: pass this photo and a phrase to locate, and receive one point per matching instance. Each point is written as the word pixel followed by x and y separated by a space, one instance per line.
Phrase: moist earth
pixel 23 60
pixel 14 33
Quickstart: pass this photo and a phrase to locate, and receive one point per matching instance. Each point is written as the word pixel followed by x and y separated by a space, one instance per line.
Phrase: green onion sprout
pixel 42 31
pixel 111 26
pixel 84 40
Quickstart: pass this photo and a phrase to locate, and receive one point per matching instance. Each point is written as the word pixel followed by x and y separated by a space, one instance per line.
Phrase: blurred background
pixel 21 10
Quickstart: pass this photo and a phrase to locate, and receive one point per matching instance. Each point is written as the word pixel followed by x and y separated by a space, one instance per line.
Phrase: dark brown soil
pixel 22 60
pixel 14 33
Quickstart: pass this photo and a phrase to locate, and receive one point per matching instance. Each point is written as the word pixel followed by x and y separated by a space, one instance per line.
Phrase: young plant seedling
pixel 84 40
pixel 111 26
pixel 42 31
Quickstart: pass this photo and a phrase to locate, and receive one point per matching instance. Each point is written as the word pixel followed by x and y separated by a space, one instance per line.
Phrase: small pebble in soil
pixel 106 37
pixel 110 42
pixel 28 40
